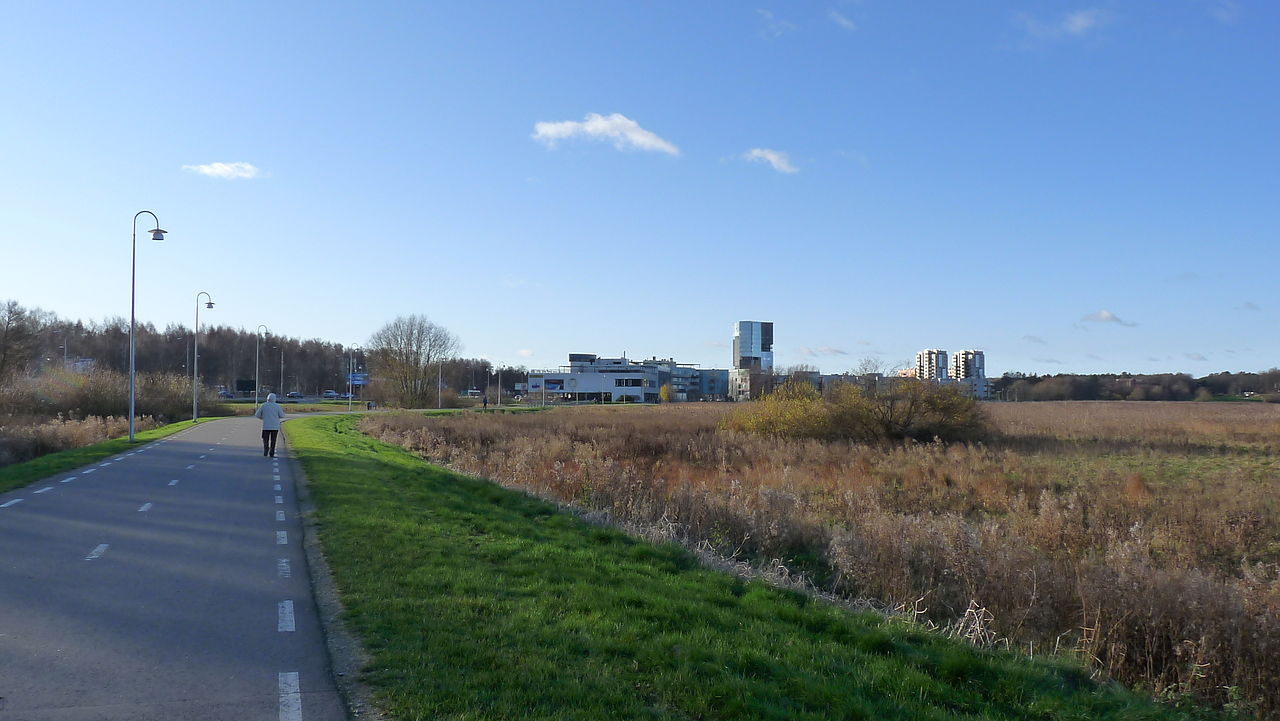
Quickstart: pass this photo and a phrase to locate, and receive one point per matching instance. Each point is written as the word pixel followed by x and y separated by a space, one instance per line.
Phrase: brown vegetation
pixel 1146 536
pixel 58 410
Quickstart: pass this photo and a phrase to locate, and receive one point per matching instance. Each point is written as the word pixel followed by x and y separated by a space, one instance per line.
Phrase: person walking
pixel 271 414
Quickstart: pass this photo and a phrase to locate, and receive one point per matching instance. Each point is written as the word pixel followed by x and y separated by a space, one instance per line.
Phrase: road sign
pixel 358 379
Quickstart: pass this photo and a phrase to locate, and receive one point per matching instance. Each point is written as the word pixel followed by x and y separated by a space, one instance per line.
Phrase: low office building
pixel 590 378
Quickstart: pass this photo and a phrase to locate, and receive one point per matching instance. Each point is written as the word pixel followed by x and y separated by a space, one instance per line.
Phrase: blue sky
pixel 1069 186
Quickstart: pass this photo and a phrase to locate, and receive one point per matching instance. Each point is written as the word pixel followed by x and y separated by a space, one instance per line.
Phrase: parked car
pixel 330 394
pixel 345 396
pixel 294 394
pixel 226 394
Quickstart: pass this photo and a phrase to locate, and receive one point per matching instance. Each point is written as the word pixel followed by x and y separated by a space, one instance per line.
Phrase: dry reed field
pixel 1143 536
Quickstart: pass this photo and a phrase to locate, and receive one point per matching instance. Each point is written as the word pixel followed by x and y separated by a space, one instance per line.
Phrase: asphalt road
pixel 165 583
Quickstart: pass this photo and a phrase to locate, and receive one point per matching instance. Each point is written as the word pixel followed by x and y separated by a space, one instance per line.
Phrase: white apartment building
pixel 931 365
pixel 968 364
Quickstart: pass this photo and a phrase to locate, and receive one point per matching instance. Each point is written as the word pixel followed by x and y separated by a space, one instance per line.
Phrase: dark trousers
pixel 269 442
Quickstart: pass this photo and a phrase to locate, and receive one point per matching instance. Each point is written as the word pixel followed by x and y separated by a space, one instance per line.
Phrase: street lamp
pixel 195 368
pixel 256 343
pixel 351 370
pixel 156 235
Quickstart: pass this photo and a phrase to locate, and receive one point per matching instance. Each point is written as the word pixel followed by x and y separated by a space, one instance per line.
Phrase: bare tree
pixel 404 356
pixel 18 337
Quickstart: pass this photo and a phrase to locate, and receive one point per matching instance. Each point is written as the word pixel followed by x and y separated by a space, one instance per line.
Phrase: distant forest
pixel 32 340
pixel 1126 387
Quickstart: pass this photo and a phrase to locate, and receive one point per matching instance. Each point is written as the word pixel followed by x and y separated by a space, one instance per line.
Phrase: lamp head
pixel 157 234
pixel 208 304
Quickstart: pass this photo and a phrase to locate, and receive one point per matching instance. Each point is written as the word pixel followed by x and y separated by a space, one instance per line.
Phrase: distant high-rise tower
pixel 931 365
pixel 753 345
pixel 968 364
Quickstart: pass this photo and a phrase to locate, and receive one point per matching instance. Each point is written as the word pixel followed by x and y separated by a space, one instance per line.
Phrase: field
pixel 1143 537
pixel 478 602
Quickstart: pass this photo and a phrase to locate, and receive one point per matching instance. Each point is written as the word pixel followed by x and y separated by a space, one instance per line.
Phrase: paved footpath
pixel 168 582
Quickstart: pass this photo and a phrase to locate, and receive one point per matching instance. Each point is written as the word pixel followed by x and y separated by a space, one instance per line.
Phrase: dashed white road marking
pixel 14 502
pixel 282 538
pixel 104 465
pixel 282 568
pixel 199 458
pixel 67 480
pixel 279 499
pixel 275 477
pixel 191 466
pixel 211 449
pixel 85 473
pixel 97 552
pixel 144 508
pixel 174 482
pixel 290 697
pixel 285 616
pixel 46 489
pixel 276 487
pixel 279 515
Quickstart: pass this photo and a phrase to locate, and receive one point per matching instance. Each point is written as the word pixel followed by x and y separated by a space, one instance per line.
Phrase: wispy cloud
pixel 716 344
pixel 1250 305
pixel 623 132
pixel 774 27
pixel 524 353
pixel 226 171
pixel 780 161
pixel 1073 24
pixel 1194 356
pixel 1053 361
pixel 1035 339
pixel 1106 316
pixel 825 350
pixel 1226 12
pixel 842 21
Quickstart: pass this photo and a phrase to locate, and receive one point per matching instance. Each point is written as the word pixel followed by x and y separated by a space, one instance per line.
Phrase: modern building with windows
pixel 968 364
pixel 590 378
pixel 752 374
pixel 931 365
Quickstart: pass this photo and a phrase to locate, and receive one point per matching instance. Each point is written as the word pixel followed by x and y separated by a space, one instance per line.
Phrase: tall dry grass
pixel 1147 537
pixel 22 439
pixel 57 410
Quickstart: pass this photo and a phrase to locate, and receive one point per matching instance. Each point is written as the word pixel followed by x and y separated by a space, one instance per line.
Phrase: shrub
pixel 909 410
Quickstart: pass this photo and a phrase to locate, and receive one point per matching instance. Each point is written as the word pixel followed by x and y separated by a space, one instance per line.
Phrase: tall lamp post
pixel 158 235
pixel 256 344
pixel 195 368
pixel 351 370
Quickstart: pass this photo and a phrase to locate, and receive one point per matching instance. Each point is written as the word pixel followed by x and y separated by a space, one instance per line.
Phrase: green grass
pixel 477 602
pixel 21 474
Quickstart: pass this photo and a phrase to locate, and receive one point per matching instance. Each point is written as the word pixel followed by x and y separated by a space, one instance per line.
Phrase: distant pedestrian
pixel 486 403
pixel 271 414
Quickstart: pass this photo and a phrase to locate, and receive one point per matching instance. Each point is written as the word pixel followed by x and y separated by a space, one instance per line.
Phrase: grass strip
pixel 21 474
pixel 477 602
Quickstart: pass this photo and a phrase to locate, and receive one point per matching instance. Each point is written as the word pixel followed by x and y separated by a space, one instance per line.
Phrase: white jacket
pixel 271 414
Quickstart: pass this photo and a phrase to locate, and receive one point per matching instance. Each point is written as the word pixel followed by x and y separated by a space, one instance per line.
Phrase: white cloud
pixel 1250 305
pixel 1054 361
pixel 625 133
pixel 843 21
pixel 1035 339
pixel 1106 316
pixel 1226 12
pixel 1080 21
pixel 780 161
pixel 1075 24
pixel 524 353
pixel 1194 356
pixel 226 171
pixel 774 27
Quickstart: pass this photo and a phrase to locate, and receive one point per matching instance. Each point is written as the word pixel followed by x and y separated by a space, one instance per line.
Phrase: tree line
pixel 411 361
pixel 1139 387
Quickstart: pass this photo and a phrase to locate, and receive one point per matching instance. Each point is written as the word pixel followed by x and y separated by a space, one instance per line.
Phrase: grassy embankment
pixel 479 602
pixel 21 474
